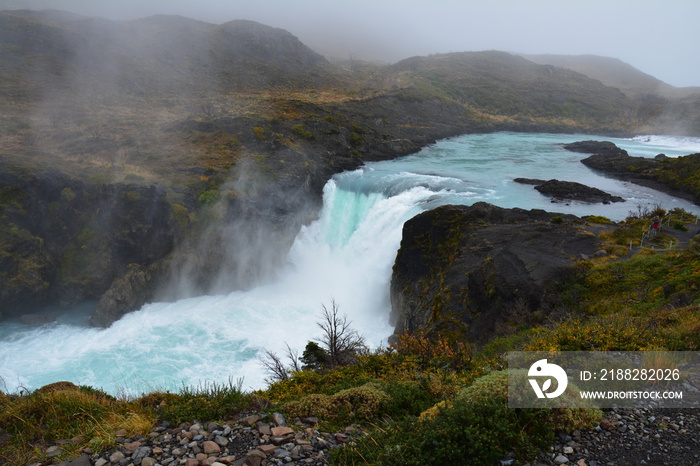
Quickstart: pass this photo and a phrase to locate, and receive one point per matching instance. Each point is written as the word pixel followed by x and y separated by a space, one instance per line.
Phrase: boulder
pixel 594 147
pixel 572 191
pixel 532 181
pixel 477 270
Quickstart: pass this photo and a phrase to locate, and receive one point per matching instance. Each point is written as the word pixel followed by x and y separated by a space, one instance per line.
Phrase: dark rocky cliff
pixel 477 271
pixel 63 240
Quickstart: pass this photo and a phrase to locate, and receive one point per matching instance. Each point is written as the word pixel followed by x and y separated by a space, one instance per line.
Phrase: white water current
pixel 345 255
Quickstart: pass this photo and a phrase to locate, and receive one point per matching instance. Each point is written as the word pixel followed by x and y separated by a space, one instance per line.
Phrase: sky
pixel 658 37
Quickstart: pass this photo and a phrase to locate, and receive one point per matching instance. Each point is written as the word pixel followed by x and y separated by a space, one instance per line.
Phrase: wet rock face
pixel 476 270
pixel 64 241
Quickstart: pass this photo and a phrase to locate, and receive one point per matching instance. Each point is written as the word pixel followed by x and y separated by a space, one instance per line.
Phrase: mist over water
pixel 345 255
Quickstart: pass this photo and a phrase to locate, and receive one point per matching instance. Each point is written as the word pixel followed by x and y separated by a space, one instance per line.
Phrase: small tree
pixel 339 346
pixel 340 341
pixel 314 357
pixel 276 368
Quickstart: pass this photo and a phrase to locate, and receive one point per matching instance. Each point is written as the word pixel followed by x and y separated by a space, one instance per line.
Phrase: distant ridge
pixel 508 84
pixel 158 54
pixel 615 73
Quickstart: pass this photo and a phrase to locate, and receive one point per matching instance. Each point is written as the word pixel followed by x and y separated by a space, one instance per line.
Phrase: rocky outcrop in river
pixel 477 271
pixel 669 175
pixel 563 191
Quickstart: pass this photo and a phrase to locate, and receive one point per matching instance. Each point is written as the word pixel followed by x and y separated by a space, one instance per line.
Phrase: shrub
pixel 353 404
pixel 464 433
pixel 680 226
pixel 598 219
pixel 440 352
pixel 407 398
pixel 611 333
pixel 300 130
pixel 259 133
pixel 208 197
pixel 359 403
pixel 475 428
pixel 355 139
pixel 181 215
pixel 494 386
pixel 68 194
pixel 314 357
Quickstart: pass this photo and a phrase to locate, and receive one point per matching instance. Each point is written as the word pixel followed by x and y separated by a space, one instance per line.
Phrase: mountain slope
pixel 502 84
pixel 614 73
pixel 152 55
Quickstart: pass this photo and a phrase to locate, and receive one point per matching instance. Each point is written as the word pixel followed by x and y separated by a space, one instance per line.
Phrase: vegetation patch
pixel 300 130
pixel 82 416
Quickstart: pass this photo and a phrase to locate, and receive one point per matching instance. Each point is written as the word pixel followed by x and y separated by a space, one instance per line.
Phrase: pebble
pixel 630 437
pixel 256 438
pixel 624 437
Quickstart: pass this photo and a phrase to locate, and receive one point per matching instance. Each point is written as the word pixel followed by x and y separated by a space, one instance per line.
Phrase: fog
pixel 658 37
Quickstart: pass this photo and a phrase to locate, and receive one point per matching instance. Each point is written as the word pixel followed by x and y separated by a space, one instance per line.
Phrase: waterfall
pixel 345 256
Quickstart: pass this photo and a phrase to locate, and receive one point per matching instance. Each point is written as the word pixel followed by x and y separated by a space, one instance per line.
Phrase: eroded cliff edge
pixel 478 271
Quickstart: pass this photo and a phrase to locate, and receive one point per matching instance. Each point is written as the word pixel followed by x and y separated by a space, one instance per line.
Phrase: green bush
pixel 407 398
pixel 350 405
pixel 208 197
pixel 355 139
pixel 300 130
pixel 475 428
pixel 259 133
pixel 494 386
pixel 680 226
pixel 331 120
pixel 464 433
pixel 598 219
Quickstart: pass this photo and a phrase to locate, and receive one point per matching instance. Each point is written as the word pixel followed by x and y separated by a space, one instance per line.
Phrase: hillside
pixel 505 86
pixel 663 108
pixel 610 71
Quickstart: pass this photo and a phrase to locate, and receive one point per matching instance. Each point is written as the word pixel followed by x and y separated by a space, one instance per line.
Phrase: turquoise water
pixel 345 255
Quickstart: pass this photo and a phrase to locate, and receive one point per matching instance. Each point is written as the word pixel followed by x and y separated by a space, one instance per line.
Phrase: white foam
pixel 687 144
